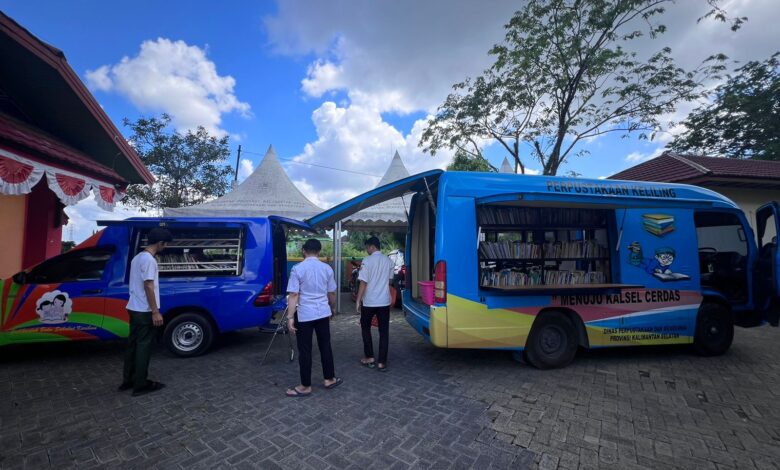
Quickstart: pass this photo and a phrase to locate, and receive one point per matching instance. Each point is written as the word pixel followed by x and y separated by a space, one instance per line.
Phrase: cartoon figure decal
pixel 658 224
pixel 54 307
pixel 659 266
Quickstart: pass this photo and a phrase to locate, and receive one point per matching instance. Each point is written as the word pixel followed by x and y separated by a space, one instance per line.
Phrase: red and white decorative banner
pixel 18 175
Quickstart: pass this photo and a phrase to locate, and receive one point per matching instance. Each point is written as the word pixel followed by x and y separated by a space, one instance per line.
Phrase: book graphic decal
pixel 659 266
pixel 658 224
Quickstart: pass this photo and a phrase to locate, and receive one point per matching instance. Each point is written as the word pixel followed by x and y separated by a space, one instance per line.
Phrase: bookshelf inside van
pixel 200 252
pixel 536 247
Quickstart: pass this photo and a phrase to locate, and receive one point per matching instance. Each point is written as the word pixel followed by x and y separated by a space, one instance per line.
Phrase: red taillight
pixel 265 296
pixel 440 282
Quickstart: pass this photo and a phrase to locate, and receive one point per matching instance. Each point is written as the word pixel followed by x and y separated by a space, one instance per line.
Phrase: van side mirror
pixel 20 277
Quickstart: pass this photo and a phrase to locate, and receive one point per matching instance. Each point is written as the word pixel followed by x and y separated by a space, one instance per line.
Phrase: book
pixel 659 218
pixel 658 224
pixel 672 276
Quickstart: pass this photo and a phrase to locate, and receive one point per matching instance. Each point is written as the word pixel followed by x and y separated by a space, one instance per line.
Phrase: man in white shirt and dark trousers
pixel 311 302
pixel 143 308
pixel 373 298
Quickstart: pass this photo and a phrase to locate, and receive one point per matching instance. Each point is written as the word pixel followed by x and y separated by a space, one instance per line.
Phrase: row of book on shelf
pixel 494 215
pixel 536 276
pixel 524 250
pixel 188 262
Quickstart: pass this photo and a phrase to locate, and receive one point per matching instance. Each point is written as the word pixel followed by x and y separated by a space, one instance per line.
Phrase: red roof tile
pixel 675 168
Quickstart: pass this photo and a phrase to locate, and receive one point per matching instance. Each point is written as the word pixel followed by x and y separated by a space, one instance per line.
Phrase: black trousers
pixel 383 317
pixel 139 348
pixel 305 329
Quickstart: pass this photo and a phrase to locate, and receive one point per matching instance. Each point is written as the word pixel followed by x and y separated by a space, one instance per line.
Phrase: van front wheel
pixel 552 342
pixel 714 330
pixel 188 335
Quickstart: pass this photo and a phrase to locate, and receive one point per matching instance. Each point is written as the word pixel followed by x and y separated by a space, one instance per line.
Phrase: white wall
pixel 749 200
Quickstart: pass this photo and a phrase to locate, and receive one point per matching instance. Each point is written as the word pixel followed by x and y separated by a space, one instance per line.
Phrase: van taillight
pixel 440 283
pixel 266 296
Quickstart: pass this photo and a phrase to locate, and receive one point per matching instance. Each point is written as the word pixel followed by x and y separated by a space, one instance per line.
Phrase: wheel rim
pixel 713 331
pixel 187 336
pixel 552 340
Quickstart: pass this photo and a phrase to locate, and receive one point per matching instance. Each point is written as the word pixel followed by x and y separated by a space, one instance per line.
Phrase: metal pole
pixel 238 162
pixel 337 254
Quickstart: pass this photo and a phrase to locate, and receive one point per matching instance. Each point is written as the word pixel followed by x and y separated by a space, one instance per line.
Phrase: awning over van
pixel 414 183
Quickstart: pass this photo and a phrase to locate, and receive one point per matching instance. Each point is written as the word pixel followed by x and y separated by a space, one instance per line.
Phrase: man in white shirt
pixel 143 308
pixel 311 302
pixel 373 298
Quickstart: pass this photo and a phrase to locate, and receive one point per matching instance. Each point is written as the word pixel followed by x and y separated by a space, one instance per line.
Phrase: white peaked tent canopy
pixel 387 215
pixel 267 191
pixel 506 167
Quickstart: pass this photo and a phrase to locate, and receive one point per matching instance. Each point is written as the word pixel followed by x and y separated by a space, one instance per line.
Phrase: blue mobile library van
pixel 218 275
pixel 545 265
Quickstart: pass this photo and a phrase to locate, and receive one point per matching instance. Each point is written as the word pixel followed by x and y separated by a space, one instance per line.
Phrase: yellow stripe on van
pixel 472 325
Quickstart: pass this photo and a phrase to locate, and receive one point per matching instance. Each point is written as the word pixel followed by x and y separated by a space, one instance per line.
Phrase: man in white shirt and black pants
pixel 311 302
pixel 373 298
pixel 143 308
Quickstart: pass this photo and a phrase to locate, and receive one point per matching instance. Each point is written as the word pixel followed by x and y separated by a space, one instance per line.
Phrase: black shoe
pixel 151 386
pixel 124 386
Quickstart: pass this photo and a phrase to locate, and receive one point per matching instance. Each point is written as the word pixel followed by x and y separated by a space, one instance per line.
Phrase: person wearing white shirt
pixel 373 298
pixel 311 302
pixel 143 308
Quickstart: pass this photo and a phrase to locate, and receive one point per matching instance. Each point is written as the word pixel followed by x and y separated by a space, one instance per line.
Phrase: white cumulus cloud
pixel 639 157
pixel 175 78
pixel 404 56
pixel 358 139
pixel 84 215
pixel 245 169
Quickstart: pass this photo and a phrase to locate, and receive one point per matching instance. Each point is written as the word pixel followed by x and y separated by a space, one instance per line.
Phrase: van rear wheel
pixel 188 335
pixel 552 342
pixel 714 330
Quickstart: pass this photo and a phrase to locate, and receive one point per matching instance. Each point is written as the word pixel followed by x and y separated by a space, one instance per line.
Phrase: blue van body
pixel 543 265
pixel 236 281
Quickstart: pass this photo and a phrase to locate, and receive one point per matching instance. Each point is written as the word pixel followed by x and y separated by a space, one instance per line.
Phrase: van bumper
pixel 429 321
pixel 418 316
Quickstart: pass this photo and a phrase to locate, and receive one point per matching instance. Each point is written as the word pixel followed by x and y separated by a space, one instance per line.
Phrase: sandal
pixel 370 364
pixel 125 386
pixel 151 386
pixel 335 384
pixel 382 368
pixel 293 392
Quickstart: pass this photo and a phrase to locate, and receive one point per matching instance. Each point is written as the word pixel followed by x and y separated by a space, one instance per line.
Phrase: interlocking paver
pixel 633 408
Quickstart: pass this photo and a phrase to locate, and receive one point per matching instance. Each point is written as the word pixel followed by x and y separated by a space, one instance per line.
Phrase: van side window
pixel 75 266
pixel 723 249
pixel 200 252
pixel 768 237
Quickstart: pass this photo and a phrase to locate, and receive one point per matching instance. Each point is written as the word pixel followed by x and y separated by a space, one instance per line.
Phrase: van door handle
pixel 92 291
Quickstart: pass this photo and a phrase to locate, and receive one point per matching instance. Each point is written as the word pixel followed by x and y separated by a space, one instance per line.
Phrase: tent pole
pixel 337 262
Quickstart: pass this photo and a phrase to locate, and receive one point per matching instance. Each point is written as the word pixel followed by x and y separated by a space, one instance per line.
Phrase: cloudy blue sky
pixel 337 83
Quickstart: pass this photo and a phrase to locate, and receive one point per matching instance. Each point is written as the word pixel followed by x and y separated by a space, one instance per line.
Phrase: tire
pixel 552 342
pixel 714 330
pixel 189 335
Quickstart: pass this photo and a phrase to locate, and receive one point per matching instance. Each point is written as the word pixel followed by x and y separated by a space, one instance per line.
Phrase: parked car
pixel 544 265
pixel 218 275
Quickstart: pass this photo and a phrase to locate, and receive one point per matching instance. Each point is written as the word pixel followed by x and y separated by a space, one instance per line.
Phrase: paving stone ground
pixel 627 408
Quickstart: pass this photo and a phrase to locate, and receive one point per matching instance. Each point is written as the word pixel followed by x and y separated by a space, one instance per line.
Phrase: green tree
pixel 565 73
pixel 743 120
pixel 462 161
pixel 190 167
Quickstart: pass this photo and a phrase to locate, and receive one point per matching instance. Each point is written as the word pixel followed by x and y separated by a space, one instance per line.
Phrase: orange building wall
pixel 12 215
